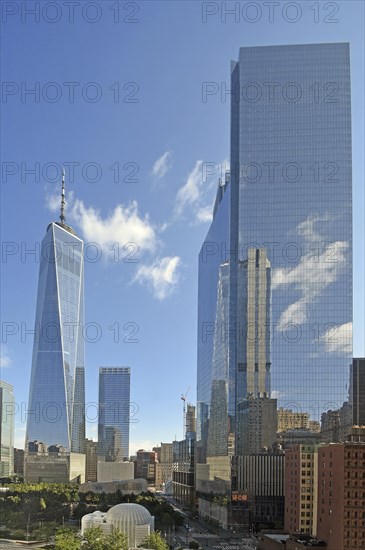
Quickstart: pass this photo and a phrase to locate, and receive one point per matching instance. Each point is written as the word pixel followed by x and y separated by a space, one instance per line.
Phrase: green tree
pixel 116 541
pixel 93 539
pixel 42 504
pixel 67 539
pixel 155 541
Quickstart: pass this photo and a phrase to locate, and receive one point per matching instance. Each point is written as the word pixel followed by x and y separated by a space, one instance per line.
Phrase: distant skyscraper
pixel 91 452
pixel 190 421
pixel 280 242
pixel 7 410
pixel 146 465
pixel 56 411
pixel 19 462
pixel 114 413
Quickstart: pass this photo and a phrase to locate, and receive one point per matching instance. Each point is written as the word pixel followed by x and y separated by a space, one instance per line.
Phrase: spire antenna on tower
pixel 63 202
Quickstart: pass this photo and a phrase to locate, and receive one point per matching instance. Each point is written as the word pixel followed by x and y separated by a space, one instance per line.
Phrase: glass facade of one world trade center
pixel 288 200
pixel 56 412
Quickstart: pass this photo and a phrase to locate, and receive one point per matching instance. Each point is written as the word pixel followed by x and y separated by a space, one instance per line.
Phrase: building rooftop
pixel 130 512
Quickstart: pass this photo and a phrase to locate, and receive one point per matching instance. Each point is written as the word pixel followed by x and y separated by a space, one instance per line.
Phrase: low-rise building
pixel 130 486
pixel 258 490
pixel 115 471
pixel 54 467
pixel 299 437
pixel 292 420
pixel 277 541
pixel 132 519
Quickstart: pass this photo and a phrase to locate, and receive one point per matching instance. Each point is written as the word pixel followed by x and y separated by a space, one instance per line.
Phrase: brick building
pixel 341 495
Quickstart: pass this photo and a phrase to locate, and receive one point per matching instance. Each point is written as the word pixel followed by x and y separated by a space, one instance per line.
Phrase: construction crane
pixel 183 398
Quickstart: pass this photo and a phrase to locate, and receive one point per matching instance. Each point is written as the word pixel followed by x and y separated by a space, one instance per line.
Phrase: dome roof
pixel 129 513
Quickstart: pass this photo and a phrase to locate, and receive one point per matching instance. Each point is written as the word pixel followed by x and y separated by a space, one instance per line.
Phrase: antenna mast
pixel 63 202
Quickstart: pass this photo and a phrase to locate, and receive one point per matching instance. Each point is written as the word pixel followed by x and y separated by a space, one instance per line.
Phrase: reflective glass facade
pixel 7 410
pixel 289 196
pixel 114 413
pixel 56 414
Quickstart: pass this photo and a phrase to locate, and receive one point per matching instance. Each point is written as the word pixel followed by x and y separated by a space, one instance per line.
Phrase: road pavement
pixel 212 539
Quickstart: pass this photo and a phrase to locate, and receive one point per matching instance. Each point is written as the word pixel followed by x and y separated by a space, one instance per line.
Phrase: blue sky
pixel 120 99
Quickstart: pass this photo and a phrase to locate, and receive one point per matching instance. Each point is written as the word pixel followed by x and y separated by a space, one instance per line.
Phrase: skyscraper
pixel 56 411
pixel 7 411
pixel 288 195
pixel 114 413
pixel 254 308
pixel 190 421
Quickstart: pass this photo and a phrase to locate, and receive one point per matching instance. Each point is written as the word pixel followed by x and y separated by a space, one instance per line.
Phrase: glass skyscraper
pixel 56 411
pixel 287 199
pixel 7 410
pixel 114 413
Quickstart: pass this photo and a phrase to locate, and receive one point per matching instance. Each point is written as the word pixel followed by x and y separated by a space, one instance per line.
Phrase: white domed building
pixel 96 519
pixel 132 519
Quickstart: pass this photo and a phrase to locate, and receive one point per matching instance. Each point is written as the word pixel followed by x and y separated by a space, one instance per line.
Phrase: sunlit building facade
pixel 56 411
pixel 114 413
pixel 288 197
pixel 7 412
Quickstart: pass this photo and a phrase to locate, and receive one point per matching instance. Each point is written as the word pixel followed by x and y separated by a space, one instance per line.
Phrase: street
pixel 206 537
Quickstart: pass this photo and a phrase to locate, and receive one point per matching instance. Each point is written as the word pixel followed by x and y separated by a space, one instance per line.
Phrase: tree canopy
pixel 155 541
pixel 92 539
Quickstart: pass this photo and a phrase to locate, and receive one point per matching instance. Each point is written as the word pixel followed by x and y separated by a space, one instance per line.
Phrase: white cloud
pixel 53 201
pixel 307 229
pixel 204 214
pixel 198 191
pixel 92 428
pixel 5 359
pixel 276 394
pixel 123 225
pixel 295 313
pixel 162 276
pixel 189 193
pixel 314 272
pixel 162 165
pixel 145 444
pixel 19 437
pixel 338 339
